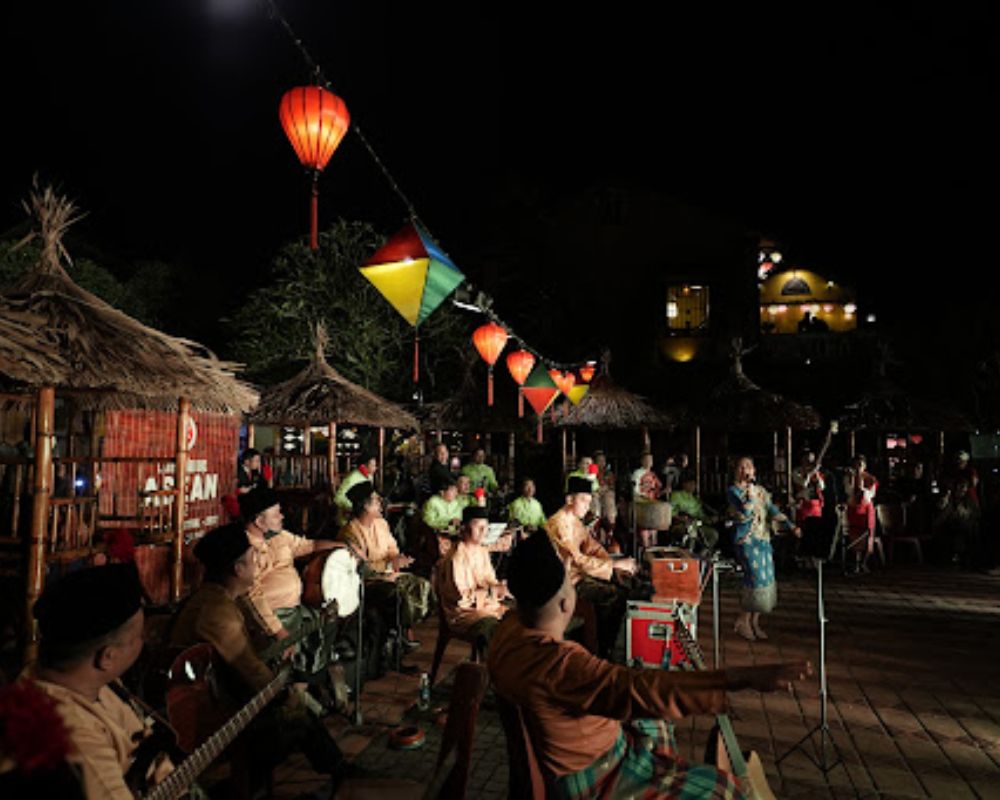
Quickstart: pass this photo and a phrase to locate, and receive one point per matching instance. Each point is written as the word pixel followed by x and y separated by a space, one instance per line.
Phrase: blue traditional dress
pixel 753 511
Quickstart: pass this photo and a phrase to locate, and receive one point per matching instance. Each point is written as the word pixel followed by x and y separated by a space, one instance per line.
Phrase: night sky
pixel 864 141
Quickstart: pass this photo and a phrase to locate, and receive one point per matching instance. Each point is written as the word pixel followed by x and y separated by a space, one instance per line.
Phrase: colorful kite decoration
pixel 520 363
pixel 576 394
pixel 541 392
pixel 413 273
pixel 490 340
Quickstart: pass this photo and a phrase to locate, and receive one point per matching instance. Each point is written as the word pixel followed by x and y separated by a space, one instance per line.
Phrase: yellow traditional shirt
pixel 374 544
pixel 277 584
pixel 573 541
pixel 466 587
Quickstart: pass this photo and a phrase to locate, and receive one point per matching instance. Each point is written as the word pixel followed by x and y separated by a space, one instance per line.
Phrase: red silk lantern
pixel 314 120
pixel 490 339
pixel 520 363
pixel 565 381
pixel 587 372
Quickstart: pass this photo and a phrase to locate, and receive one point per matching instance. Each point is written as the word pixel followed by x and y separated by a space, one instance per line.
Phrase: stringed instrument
pixel 191 691
pixel 833 430
pixel 723 750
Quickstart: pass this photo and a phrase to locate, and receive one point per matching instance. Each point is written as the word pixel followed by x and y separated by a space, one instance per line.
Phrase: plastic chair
pixel 445 635
pixel 892 517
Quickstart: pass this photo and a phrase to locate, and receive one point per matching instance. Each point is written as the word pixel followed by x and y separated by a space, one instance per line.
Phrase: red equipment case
pixel 649 634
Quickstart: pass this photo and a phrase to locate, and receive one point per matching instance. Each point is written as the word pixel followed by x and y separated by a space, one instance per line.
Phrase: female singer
pixel 750 505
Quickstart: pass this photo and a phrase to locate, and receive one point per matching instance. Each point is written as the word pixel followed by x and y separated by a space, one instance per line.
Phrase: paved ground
pixel 914 674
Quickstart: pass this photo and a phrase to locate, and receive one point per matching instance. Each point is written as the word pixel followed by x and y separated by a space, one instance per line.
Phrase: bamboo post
pixel 646 443
pixel 774 456
pixel 96 423
pixel 381 460
pixel 788 462
pixel 180 509
pixel 250 434
pixel 697 458
pixel 564 470
pixel 511 454
pixel 851 444
pixel 307 441
pixel 572 447
pixel 941 445
pixel 331 455
pixel 44 418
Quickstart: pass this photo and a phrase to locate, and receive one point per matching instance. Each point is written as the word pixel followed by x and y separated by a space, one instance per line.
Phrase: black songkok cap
pixel 219 548
pixel 474 512
pixel 257 501
pixel 535 572
pixel 442 481
pixel 89 603
pixel 578 485
pixel 359 493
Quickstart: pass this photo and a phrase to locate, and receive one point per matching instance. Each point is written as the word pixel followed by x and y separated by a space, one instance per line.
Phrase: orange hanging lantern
pixel 314 120
pixel 564 380
pixel 520 363
pixel 587 372
pixel 490 340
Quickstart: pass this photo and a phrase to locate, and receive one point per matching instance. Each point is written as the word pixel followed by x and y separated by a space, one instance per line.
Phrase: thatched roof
pixel 466 409
pixel 608 406
pixel 739 404
pixel 319 395
pixel 54 333
pixel 887 407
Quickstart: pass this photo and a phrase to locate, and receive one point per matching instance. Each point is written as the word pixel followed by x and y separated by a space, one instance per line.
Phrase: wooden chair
pixel 445 635
pixel 525 778
pixel 454 761
pixel 895 529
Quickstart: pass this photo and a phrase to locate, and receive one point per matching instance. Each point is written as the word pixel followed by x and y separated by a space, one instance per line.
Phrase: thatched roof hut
pixel 887 407
pixel 54 333
pixel 739 404
pixel 608 406
pixel 319 395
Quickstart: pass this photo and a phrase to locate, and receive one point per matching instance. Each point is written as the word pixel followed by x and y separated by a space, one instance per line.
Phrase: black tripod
pixel 827 754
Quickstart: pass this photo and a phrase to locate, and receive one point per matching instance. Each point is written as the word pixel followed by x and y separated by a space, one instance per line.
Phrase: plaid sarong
pixel 414 594
pixel 644 764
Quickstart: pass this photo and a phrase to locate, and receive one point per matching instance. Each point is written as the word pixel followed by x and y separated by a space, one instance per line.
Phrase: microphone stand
pixel 359 657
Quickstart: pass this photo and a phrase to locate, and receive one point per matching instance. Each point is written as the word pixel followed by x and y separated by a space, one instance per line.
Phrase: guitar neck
pixel 693 653
pixel 178 781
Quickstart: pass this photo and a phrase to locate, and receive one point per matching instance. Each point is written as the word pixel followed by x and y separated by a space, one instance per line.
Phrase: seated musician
pixel 442 512
pixel 467 585
pixel 466 495
pixel 591 567
pixel 212 615
pixel 526 510
pixel 687 508
pixel 480 473
pixel 368 535
pixel 365 472
pixel 574 704
pixel 91 625
pixel 276 596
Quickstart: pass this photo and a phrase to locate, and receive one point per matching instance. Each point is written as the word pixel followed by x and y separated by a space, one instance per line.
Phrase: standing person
pixel 646 488
pixel 467 585
pixel 605 500
pixel 676 465
pixel 480 473
pixel 808 485
pixel 387 587
pixel 440 468
pixel 91 625
pixel 752 509
pixel 526 510
pixel 591 568
pixel 959 521
pixel 250 475
pixel 860 487
pixel 600 730
pixel 365 471
pixel 962 469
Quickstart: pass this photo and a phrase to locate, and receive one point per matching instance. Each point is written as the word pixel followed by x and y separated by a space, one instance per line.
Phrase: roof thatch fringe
pixel 54 333
pixel 319 395
pixel 466 409
pixel 607 406
pixel 739 404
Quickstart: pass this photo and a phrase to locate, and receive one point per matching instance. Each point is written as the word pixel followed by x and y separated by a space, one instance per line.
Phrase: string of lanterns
pixel 411 271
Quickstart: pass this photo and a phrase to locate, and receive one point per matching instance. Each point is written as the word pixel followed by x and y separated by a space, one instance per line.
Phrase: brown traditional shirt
pixel 573 702
pixel 102 734
pixel 277 584
pixel 374 544
pixel 573 541
pixel 212 616
pixel 466 584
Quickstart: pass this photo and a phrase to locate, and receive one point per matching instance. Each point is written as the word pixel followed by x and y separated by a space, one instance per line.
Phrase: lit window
pixel 850 308
pixel 671 310
pixel 687 307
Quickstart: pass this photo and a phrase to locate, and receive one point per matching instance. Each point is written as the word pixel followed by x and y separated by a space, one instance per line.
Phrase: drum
pixel 332 575
pixel 652 515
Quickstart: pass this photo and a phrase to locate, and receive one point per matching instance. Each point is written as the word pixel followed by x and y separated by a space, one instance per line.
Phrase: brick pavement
pixel 914 679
